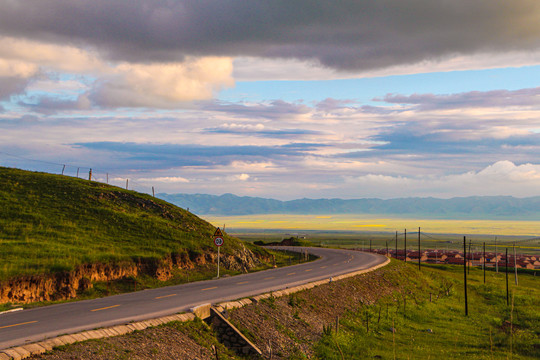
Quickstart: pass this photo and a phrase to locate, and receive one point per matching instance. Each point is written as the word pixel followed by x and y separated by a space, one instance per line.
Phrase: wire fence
pixel 106 176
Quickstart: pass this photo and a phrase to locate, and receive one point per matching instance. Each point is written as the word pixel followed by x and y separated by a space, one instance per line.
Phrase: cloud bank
pixel 359 35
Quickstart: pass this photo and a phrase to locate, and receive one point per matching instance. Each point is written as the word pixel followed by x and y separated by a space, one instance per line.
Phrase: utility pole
pixel 419 255
pixel 484 262
pixel 507 298
pixel 396 244
pixel 496 257
pixel 405 247
pixel 465 274
pixel 470 258
pixel 515 264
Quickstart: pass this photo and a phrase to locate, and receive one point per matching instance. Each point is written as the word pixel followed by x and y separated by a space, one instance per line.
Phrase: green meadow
pixel 51 223
pixel 427 320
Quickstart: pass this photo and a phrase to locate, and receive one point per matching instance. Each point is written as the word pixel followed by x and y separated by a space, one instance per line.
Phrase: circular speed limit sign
pixel 218 241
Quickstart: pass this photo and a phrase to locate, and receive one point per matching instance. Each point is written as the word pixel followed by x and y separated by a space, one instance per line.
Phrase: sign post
pixel 218 241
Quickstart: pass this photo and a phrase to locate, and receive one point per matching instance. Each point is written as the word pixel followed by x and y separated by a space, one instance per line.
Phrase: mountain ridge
pixel 481 207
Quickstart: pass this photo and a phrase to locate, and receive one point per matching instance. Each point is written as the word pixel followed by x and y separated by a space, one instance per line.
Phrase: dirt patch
pixel 173 341
pixel 290 325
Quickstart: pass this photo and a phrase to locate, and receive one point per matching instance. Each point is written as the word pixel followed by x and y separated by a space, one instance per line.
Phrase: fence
pixel 106 176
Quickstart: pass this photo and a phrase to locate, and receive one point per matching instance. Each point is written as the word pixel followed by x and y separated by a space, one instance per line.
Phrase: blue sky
pixel 364 90
pixel 277 99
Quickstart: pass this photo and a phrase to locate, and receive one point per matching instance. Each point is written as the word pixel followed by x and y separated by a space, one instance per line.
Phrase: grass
pixel 52 223
pixel 373 223
pixel 437 329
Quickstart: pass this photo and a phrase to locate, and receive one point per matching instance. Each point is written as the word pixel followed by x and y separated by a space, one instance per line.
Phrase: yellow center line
pixel 210 288
pixel 269 278
pixel 24 323
pixel 308 269
pixel 290 274
pixel 165 296
pixel 243 282
pixel 324 267
pixel 105 308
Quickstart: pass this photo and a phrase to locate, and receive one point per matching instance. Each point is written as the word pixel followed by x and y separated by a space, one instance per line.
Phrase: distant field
pixel 376 223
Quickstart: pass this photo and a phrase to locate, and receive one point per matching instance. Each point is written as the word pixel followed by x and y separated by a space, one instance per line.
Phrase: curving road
pixel 37 324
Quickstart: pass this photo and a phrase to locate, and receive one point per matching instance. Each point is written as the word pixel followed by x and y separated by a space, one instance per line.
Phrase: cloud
pixel 478 99
pixel 10 85
pixel 162 85
pixel 112 84
pixel 49 105
pixel 176 155
pixel 165 179
pixel 274 110
pixel 351 35
pixel 500 178
pixel 259 130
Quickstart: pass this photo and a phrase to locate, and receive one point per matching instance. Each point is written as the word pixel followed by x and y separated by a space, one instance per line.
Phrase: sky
pixel 276 99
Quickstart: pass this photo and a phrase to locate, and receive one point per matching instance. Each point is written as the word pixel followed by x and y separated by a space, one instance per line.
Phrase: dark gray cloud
pixel 348 34
pixel 495 98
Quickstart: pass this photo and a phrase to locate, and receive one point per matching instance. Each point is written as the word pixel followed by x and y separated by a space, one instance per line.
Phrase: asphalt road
pixel 38 324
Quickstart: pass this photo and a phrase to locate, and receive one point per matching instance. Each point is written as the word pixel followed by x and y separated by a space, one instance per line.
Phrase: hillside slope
pixel 89 231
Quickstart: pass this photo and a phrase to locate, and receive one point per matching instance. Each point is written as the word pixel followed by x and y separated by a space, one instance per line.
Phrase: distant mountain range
pixel 477 207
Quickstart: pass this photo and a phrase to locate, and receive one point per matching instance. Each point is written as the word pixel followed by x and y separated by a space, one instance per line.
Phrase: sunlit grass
pixel 351 222
pixel 439 329
pixel 52 223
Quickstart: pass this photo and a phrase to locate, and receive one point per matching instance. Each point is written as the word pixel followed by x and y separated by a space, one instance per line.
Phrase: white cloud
pixel 117 84
pixel 164 179
pixel 242 177
pixel 500 178
pixel 163 85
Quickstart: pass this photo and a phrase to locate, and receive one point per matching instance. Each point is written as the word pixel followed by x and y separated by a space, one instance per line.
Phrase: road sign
pixel 218 241
pixel 218 233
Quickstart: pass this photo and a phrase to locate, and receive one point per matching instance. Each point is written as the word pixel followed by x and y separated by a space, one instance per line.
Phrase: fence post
pixel 77 172
pixel 127 180
pixel 153 193
pixel 90 175
pixel 64 168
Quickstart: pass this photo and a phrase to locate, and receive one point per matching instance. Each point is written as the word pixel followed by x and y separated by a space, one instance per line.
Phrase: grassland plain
pixel 53 224
pixel 375 223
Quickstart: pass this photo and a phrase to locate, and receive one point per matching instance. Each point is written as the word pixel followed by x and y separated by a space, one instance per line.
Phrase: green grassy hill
pixel 51 223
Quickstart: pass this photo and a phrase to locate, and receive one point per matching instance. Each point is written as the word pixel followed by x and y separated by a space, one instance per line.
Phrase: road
pixel 38 324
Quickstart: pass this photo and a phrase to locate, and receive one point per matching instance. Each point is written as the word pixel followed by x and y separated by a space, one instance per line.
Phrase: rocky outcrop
pixel 67 285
